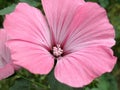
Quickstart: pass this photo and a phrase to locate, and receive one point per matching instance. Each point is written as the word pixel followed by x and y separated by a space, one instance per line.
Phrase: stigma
pixel 57 51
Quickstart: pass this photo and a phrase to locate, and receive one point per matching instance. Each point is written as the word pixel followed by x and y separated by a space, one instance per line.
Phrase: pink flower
pixel 75 34
pixel 7 67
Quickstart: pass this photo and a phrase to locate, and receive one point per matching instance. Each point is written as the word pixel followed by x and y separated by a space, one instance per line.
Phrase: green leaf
pixel 55 85
pixel 106 82
pixel 92 0
pixel 104 3
pixel 31 2
pixel 21 84
pixel 7 10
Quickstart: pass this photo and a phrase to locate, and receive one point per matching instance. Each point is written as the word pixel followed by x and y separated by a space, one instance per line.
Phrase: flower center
pixel 57 51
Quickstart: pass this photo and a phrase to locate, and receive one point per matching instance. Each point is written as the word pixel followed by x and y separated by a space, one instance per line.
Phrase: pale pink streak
pixel 90 26
pixel 59 14
pixel 31 23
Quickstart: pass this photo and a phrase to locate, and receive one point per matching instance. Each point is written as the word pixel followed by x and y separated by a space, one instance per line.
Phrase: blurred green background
pixel 22 80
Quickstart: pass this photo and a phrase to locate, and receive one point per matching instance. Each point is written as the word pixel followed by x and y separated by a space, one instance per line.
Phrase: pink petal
pixel 3 39
pixel 59 14
pixel 6 71
pixel 27 23
pixel 6 66
pixel 4 51
pixel 80 68
pixel 33 57
pixel 89 27
pixel 30 39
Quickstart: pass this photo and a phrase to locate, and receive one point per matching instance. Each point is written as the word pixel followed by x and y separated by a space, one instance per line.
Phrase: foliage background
pixel 23 80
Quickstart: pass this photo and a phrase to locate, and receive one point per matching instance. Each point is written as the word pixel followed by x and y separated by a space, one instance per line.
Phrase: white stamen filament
pixel 57 51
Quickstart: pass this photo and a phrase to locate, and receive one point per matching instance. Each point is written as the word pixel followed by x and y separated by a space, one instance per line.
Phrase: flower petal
pixel 32 57
pixel 6 71
pixel 80 68
pixel 6 66
pixel 89 27
pixel 59 14
pixel 27 23
pixel 30 39
pixel 3 39
pixel 4 51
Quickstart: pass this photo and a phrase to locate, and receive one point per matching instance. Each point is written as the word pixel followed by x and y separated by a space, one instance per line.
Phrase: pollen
pixel 57 51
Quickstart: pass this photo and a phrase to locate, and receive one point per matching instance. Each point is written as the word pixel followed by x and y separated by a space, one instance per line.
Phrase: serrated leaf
pixel 31 2
pixel 7 10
